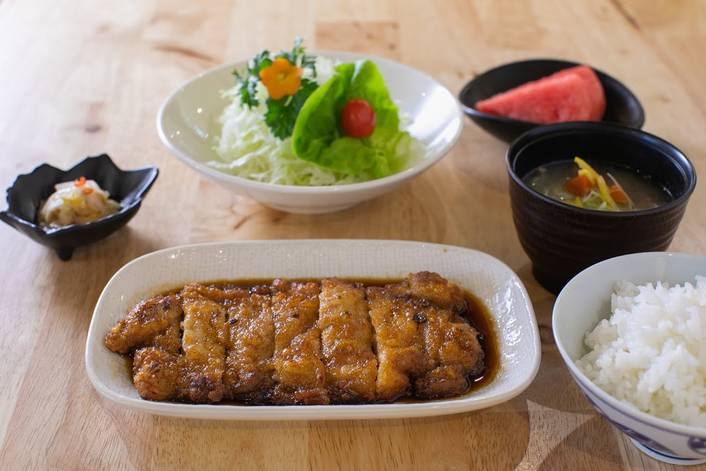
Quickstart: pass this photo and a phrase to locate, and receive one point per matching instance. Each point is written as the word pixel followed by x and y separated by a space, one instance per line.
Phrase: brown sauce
pixel 482 320
pixel 479 317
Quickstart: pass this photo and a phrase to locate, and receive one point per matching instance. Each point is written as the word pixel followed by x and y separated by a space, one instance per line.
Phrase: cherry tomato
pixel 358 119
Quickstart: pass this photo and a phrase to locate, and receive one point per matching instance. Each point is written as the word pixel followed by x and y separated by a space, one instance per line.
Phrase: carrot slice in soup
pixel 618 195
pixel 579 186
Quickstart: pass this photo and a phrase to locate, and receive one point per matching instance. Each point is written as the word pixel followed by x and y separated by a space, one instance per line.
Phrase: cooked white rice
pixel 651 352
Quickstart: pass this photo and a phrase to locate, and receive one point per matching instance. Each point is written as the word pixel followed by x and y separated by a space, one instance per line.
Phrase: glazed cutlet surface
pixel 299 370
pixel 302 342
pixel 399 342
pixel 347 341
pixel 204 335
pixel 152 330
pixel 249 369
pixel 147 320
pixel 452 348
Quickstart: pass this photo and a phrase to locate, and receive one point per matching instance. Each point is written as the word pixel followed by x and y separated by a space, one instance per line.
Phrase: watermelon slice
pixel 573 94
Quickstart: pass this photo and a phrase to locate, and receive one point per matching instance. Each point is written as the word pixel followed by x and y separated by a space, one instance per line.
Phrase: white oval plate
pixel 187 122
pixel 486 277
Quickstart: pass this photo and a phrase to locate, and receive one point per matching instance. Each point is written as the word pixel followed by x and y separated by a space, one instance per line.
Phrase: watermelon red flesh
pixel 573 94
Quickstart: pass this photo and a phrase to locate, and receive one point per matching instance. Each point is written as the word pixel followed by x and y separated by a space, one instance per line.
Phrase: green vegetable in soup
pixel 318 137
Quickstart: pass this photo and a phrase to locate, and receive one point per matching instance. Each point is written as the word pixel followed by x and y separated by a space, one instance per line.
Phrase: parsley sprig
pixel 248 80
pixel 281 114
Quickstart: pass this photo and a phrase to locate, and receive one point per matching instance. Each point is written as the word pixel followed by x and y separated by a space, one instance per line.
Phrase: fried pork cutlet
pixel 146 321
pixel 155 368
pixel 299 371
pixel 435 289
pixel 303 342
pixel 425 345
pixel 152 330
pixel 224 296
pixel 201 367
pixel 155 373
pixel 346 342
pixel 248 374
pixel 399 341
pixel 452 347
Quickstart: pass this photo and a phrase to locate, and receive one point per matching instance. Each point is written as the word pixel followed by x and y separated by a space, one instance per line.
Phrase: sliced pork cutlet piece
pixel 170 339
pixel 299 371
pixel 347 342
pixel 226 296
pixel 152 328
pixel 148 320
pixel 202 365
pixel 155 368
pixel 451 343
pixel 399 341
pixel 248 374
pixel 454 351
pixel 437 290
pixel 155 373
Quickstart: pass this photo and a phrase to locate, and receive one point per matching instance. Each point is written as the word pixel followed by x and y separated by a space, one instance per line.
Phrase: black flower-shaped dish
pixel 28 192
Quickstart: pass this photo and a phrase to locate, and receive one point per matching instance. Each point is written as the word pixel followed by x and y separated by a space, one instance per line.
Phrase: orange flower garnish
pixel 87 191
pixel 281 79
pixel 80 182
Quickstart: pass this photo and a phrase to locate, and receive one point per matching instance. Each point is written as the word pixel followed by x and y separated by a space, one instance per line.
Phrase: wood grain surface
pixel 83 77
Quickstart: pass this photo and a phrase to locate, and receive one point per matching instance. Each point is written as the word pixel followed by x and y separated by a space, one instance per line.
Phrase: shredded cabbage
pixel 247 148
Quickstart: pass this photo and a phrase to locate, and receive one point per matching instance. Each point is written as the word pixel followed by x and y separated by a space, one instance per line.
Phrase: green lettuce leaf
pixel 317 135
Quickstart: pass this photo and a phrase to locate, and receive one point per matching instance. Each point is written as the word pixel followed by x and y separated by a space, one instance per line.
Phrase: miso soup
pixel 597 185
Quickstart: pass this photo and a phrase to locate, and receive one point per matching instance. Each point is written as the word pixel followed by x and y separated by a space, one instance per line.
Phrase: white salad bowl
pixel 489 279
pixel 188 125
pixel 583 302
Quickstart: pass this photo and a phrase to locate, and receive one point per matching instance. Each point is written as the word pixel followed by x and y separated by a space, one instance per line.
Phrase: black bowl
pixel 622 107
pixel 561 239
pixel 29 190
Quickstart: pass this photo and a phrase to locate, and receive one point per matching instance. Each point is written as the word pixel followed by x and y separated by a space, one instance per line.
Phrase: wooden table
pixel 80 78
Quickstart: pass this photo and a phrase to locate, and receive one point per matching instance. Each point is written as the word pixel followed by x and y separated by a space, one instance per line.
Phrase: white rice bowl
pixel 651 352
